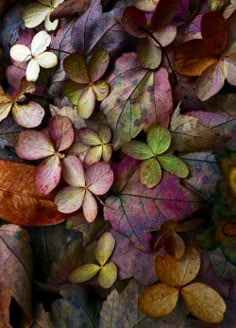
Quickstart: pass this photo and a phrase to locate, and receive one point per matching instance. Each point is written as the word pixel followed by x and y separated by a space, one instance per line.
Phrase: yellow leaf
pixel 158 300
pixel 204 302
pixel 104 248
pixel 178 272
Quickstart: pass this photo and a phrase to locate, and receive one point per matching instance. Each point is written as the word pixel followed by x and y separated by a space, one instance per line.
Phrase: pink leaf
pixel 48 175
pixel 73 171
pixel 34 145
pixel 90 208
pixel 132 19
pixel 61 131
pixel 99 178
pixel 136 208
pixel 29 115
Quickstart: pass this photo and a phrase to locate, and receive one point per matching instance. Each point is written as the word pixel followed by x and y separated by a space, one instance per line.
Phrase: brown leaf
pixel 189 135
pixel 178 272
pixel 158 300
pixel 19 201
pixel 204 302
pixel 69 8
pixel 15 270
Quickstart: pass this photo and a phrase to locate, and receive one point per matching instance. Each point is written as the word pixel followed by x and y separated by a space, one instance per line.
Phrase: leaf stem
pixel 65 52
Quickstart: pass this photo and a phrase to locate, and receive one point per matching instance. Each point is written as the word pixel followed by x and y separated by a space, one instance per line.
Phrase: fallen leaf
pixel 136 208
pixel 69 8
pixel 9 131
pixel 190 133
pixel 16 269
pixel 20 203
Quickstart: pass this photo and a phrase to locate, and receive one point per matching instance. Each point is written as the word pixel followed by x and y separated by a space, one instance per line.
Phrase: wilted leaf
pixel 137 99
pixel 192 134
pixel 16 267
pixel 136 208
pixel 20 203
pixel 204 302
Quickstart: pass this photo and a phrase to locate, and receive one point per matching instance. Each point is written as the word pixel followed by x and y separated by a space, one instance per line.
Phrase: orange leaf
pixel 204 302
pixel 178 272
pixel 19 201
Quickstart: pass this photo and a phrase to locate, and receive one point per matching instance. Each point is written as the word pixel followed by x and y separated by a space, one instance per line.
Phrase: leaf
pixel 136 99
pixel 221 123
pixel 16 265
pixel 137 150
pixel 174 165
pixel 132 262
pixel 69 112
pixel 190 134
pixel 108 275
pixel 180 272
pixel 158 300
pixel 222 268
pixel 99 178
pixel 158 139
pixel 204 174
pixel 69 8
pixel 74 309
pixel 20 203
pixel 150 172
pixel 204 302
pixel 42 318
pixel 136 209
pixel 95 29
pixel 9 131
pixel 61 131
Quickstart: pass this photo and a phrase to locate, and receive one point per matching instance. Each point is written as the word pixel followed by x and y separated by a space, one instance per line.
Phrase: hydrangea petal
pixel 137 150
pixel 33 145
pixel 28 115
pixel 86 103
pixel 56 3
pixel 69 199
pixel 84 273
pixel 32 70
pixel 48 175
pixel 20 53
pixel 174 165
pixel 61 131
pixel 47 59
pixel 73 171
pixel 98 64
pixel 5 110
pixel 150 172
pixel 104 133
pixel 106 152
pixel 40 42
pixel 104 248
pixel 49 25
pixel 35 14
pixel 45 2
pixel 99 178
pixel 101 90
pixel 90 208
pixel 108 275
pixel 93 155
pixel 158 139
pixel 149 54
pixel 89 137
pixel 76 68
pixel 166 35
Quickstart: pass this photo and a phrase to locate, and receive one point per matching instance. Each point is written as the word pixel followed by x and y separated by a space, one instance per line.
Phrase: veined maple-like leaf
pixel 137 99
pixel 136 208
pixel 16 270
pixel 192 134
pixel 20 203
pixel 96 29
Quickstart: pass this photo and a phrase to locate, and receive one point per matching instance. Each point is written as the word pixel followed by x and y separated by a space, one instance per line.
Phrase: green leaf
pixel 137 150
pixel 101 90
pixel 86 103
pixel 174 165
pixel 150 172
pixel 98 64
pixel 104 248
pixel 158 139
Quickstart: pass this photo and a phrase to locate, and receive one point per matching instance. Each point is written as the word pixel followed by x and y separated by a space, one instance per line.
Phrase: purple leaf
pixel 61 131
pixel 99 178
pixel 137 208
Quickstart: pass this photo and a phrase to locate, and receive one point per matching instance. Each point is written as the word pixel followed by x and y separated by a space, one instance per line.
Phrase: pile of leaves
pixel 118 163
